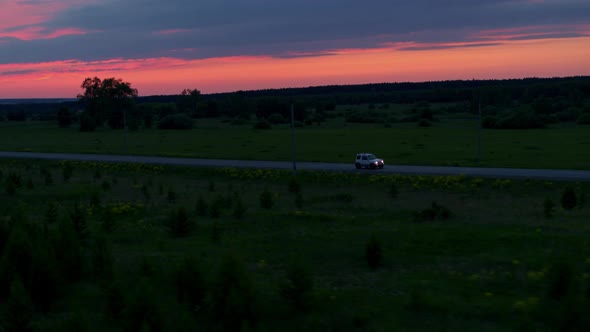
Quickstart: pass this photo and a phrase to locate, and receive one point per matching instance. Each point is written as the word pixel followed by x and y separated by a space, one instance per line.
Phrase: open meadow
pixel 121 247
pixel 450 142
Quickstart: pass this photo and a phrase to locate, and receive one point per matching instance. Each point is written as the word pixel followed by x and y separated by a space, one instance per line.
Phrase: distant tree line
pixel 514 103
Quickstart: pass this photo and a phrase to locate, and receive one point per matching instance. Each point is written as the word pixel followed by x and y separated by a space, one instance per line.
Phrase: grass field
pixel 450 142
pixel 491 266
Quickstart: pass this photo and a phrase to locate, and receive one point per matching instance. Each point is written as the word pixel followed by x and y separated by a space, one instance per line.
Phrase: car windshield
pixel 371 156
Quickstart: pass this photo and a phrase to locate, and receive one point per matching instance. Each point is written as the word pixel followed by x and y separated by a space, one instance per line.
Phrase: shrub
pixel 51 213
pixel 266 200
pixel 179 224
pixel 568 199
pixel 262 125
pixel 190 284
pixel 520 120
pixel 30 184
pixel 584 119
pixel 176 121
pixel 276 118
pixel 424 123
pixel 297 287
pixel 373 253
pixel 548 207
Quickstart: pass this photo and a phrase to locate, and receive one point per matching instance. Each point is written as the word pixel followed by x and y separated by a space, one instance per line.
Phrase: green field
pixel 450 142
pixel 493 265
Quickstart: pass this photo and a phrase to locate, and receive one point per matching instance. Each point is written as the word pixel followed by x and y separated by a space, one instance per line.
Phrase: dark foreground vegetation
pixel 133 247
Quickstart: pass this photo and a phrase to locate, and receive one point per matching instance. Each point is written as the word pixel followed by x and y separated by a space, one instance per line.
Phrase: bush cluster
pixel 434 212
pixel 176 121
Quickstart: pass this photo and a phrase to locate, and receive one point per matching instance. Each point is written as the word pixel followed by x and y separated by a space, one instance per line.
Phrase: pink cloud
pixel 531 31
pixel 24 19
pixel 37 32
pixel 170 32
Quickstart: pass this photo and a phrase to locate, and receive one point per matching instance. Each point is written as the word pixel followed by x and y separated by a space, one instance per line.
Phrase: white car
pixel 368 160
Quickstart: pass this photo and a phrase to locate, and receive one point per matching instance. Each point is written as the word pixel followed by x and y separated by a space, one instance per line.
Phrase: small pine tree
pixel 266 200
pixel 171 197
pixel 9 188
pixel 239 209
pixel 233 296
pixel 30 184
pixel 115 300
pixel 102 258
pixel 294 186
pixel 95 200
pixel 373 253
pixel 107 220
pixel 216 207
pixel 216 232
pixel 201 206
pixel 393 192
pixel 143 312
pixel 568 199
pixel 297 287
pixel 78 220
pixel 299 200
pixel 105 185
pixel 190 284
pixel 19 308
pixel 68 251
pixel 548 207
pixel 67 172
pixel 179 223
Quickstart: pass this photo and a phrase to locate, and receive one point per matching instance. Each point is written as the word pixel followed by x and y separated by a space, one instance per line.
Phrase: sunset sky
pixel 48 47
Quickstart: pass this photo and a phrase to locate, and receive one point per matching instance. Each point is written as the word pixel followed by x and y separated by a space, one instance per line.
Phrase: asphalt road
pixel 514 173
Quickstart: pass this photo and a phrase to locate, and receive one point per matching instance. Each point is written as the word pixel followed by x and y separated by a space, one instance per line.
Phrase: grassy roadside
pixel 450 143
pixel 489 266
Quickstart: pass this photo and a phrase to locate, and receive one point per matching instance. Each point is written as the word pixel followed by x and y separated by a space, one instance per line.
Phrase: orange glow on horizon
pixel 396 63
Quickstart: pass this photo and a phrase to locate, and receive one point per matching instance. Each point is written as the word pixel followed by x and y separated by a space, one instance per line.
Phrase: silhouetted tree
pixel 107 100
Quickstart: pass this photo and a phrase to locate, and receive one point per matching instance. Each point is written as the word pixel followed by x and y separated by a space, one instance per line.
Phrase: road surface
pixel 514 173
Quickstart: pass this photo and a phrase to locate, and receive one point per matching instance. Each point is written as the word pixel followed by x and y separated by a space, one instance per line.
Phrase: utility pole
pixel 479 133
pixel 125 131
pixel 293 142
